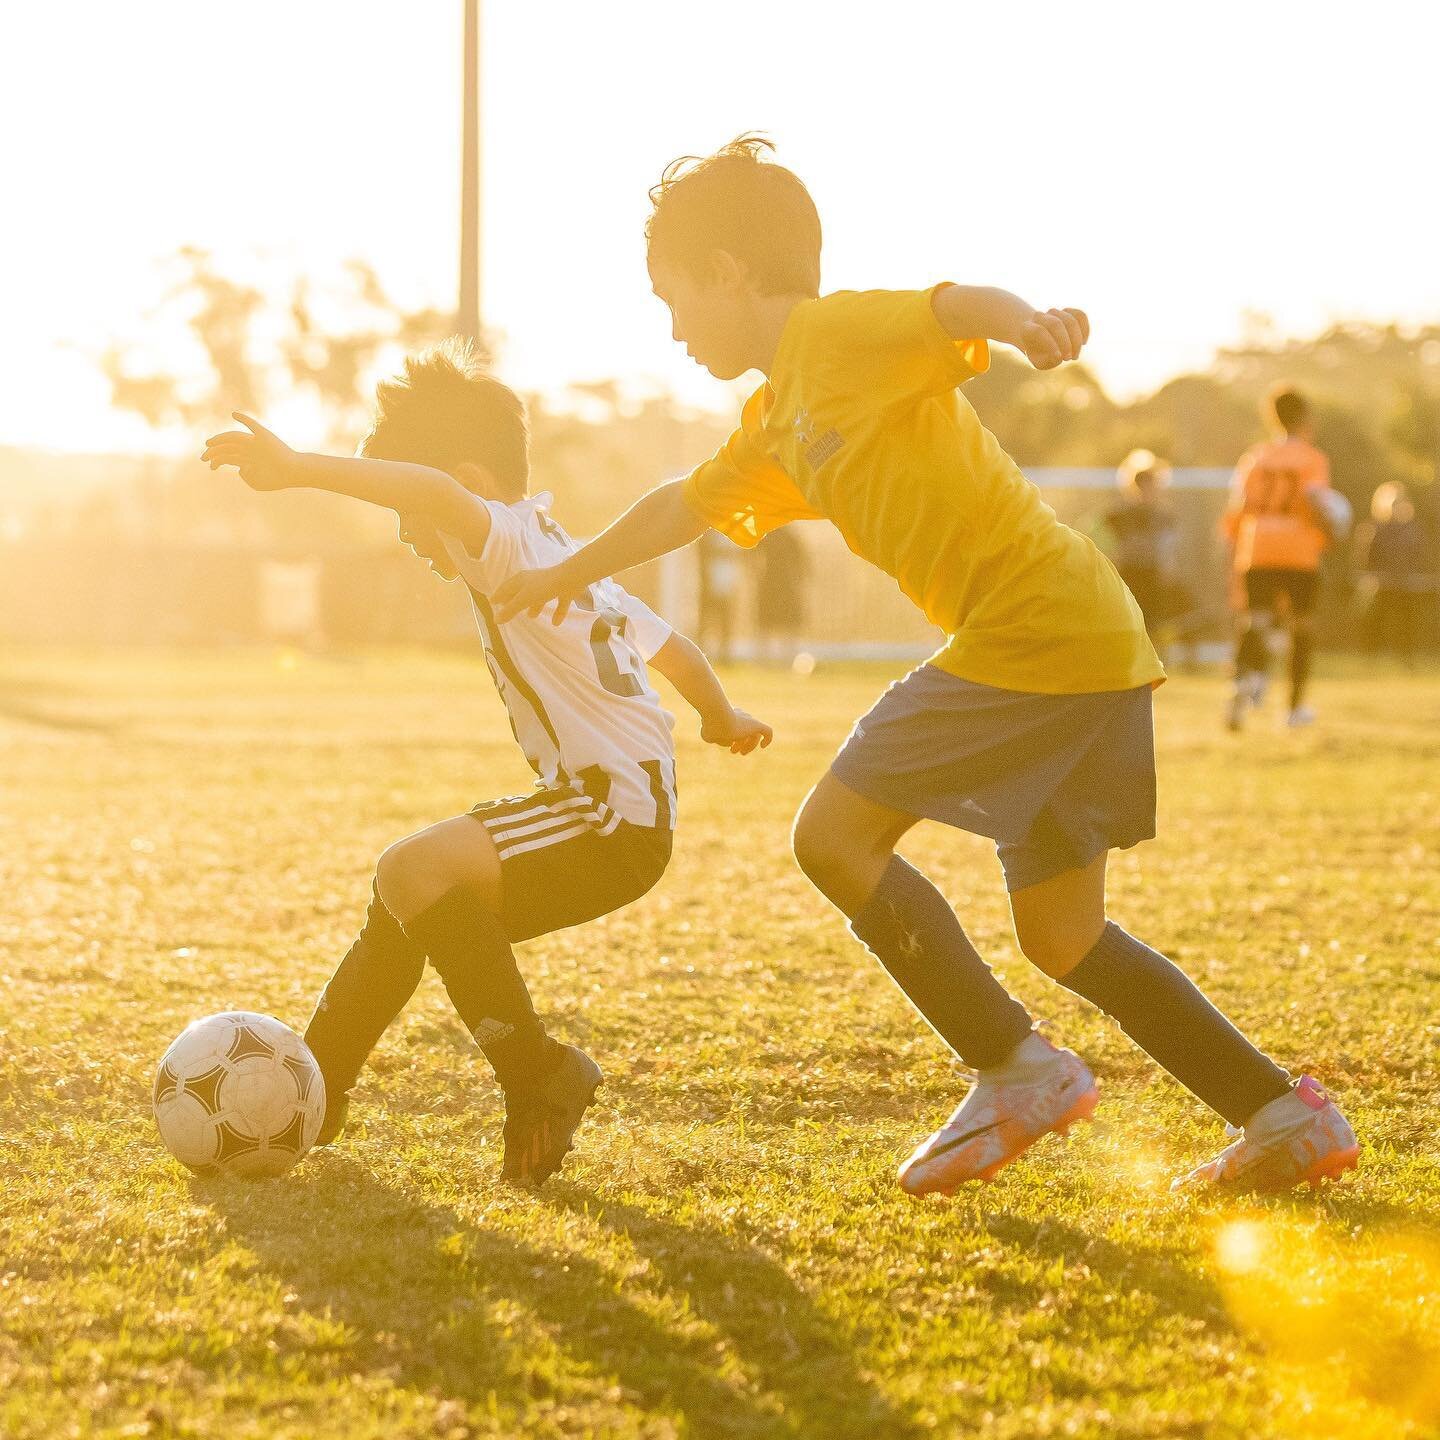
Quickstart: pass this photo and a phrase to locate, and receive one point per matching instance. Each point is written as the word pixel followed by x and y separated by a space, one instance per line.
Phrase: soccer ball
pixel 238 1094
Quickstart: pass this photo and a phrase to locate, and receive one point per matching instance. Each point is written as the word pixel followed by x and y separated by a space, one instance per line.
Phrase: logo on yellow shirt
pixel 816 452
pixel 826 446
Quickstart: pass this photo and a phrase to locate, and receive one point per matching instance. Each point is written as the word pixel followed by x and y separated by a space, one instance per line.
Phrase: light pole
pixel 467 318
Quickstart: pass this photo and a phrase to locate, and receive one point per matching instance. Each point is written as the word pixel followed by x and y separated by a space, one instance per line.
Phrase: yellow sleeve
pixel 886 346
pixel 741 492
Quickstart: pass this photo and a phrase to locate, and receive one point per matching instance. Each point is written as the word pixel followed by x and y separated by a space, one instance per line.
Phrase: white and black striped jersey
pixel 580 702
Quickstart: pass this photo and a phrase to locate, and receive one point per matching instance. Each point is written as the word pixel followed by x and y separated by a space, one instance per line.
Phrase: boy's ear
pixel 727 272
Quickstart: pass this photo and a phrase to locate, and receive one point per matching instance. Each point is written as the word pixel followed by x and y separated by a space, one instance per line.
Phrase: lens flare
pixel 1351 1322
pixel 1240 1246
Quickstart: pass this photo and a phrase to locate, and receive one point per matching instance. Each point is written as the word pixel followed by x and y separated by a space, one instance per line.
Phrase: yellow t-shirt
pixel 861 424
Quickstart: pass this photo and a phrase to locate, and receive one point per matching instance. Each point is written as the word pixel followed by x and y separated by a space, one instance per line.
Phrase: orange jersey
pixel 1268 519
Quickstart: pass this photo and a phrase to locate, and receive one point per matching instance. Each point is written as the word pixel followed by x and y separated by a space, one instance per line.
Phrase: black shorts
pixel 1054 780
pixel 1264 587
pixel 565 858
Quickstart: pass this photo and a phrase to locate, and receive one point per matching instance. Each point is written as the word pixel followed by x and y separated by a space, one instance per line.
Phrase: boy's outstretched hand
pixel 264 460
pixel 739 732
pixel 533 590
pixel 1051 337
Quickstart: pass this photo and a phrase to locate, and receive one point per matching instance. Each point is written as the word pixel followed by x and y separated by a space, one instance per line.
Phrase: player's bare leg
pixel 417 871
pixel 844 843
pixel 1058 921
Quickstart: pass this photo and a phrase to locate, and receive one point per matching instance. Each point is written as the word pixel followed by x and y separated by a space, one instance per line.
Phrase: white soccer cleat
pixel 1311 1142
pixel 1236 708
pixel 1248 694
pixel 1006 1112
pixel 1300 716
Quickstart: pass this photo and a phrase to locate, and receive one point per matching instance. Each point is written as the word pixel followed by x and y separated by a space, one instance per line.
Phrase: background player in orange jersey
pixel 1277 538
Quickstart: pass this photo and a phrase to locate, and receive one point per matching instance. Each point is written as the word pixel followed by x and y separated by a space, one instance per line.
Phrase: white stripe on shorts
pixel 554 837
pixel 542 828
pixel 509 826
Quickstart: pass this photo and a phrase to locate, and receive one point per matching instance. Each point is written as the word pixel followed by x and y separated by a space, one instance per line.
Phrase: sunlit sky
pixel 1169 167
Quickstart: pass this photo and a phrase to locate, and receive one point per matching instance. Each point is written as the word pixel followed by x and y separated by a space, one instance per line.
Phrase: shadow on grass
pixel 1167 1274
pixel 26 703
pixel 444 1306
pixel 792 1346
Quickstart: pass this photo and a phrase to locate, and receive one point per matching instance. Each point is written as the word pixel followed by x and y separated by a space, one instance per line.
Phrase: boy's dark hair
pixel 734 200
pixel 1287 406
pixel 445 410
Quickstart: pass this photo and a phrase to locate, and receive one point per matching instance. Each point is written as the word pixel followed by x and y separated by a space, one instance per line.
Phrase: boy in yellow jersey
pixel 1031 726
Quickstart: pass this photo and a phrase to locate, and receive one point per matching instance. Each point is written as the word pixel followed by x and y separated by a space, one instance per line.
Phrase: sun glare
pixel 1240 1246
pixel 1352 1324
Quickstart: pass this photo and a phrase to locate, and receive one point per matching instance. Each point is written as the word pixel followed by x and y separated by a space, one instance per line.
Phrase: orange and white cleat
pixel 1299 1139
pixel 1039 1090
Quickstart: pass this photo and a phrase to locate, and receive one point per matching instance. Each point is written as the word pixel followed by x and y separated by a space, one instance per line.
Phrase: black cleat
pixel 540 1123
pixel 337 1111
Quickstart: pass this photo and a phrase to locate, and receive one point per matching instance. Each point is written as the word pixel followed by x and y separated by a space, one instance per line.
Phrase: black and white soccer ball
pixel 238 1094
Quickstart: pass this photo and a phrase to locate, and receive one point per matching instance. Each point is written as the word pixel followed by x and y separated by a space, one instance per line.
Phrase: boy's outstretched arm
pixel 1046 338
pixel 266 462
pixel 653 526
pixel 682 662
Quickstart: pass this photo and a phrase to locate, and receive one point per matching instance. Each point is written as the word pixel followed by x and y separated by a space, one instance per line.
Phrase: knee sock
pixel 368 990
pixel 908 925
pixel 1302 647
pixel 1252 655
pixel 1164 1013
pixel 468 946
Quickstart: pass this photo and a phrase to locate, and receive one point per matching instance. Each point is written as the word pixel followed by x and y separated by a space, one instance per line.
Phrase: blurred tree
pixel 242 349
pixel 1376 391
pixel 1050 417
pixel 244 352
pixel 598 456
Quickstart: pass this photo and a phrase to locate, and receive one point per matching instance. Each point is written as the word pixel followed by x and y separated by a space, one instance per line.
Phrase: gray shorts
pixel 1054 780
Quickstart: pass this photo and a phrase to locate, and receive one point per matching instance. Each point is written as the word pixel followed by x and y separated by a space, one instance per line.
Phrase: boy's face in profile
pixel 423 538
pixel 709 316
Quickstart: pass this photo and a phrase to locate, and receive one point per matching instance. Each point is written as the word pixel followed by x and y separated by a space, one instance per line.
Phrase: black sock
pixel 1252 655
pixel 368 990
pixel 908 925
pixel 1302 647
pixel 468 946
pixel 1163 1011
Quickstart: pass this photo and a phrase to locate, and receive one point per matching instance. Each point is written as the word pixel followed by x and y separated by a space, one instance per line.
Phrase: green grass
pixel 726 1254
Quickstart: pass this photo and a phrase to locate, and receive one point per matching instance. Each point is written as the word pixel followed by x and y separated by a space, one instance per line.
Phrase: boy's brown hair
pixel 446 410
pixel 737 201
pixel 1287 407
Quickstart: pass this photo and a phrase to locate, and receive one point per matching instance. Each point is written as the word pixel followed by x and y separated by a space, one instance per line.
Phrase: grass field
pixel 726 1254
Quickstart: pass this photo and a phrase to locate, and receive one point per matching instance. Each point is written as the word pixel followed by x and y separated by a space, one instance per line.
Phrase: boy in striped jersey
pixel 449 453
